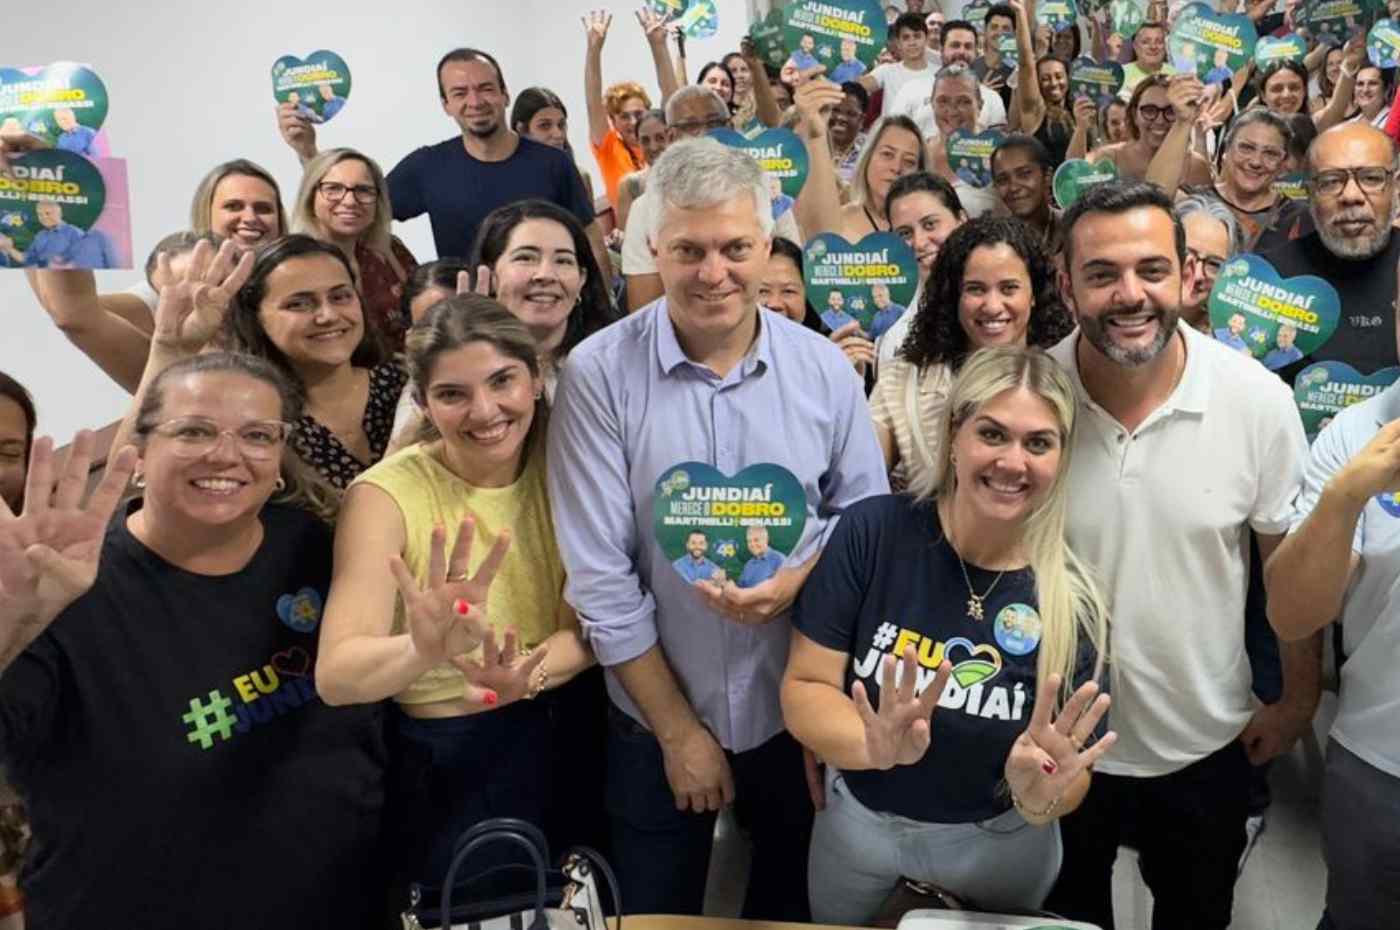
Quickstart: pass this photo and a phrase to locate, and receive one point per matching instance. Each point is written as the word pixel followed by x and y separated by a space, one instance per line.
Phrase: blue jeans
pixel 1001 864
pixel 662 855
pixel 1361 842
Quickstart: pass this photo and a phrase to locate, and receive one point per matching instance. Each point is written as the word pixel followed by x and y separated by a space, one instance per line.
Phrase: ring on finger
pixel 458 578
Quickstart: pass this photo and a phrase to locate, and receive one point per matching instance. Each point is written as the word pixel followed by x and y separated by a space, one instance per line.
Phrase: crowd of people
pixel 1061 559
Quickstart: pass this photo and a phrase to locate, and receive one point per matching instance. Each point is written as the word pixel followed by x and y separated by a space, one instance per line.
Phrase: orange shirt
pixel 616 160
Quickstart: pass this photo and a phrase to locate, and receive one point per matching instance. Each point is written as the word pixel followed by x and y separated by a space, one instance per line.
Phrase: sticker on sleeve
pixel 828 32
pixel 318 85
pixel 1325 389
pixel 1276 320
pixel 62 105
pixel 1017 629
pixel 870 283
pixel 712 527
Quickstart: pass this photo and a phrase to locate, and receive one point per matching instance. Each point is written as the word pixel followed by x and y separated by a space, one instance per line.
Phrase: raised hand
pixel 856 346
pixel 1375 469
pixel 1050 754
pixel 899 732
pixel 448 617
pixel 1185 93
pixel 297 131
pixel 483 284
pixel 815 98
pixel 504 673
pixel 49 552
pixel 1085 114
pixel 654 25
pixel 194 303
pixel 596 24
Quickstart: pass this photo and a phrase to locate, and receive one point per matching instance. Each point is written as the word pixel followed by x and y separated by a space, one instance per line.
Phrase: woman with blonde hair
pixel 964 601
pixel 344 200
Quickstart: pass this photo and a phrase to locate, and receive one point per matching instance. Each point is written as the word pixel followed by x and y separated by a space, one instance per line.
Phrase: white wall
pixel 190 87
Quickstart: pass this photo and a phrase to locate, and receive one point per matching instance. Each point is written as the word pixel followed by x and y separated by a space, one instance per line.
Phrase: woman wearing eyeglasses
pixel 1150 118
pixel 1253 155
pixel 344 200
pixel 172 651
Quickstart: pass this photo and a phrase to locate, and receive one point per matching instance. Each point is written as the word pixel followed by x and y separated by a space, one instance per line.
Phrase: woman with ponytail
pixel 946 660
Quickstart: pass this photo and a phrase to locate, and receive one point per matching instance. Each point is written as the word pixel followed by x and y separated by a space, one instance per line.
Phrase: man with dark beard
pixel 1171 469
pixel 1353 206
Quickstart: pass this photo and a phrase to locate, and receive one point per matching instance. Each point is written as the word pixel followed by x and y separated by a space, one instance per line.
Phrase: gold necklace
pixel 974 600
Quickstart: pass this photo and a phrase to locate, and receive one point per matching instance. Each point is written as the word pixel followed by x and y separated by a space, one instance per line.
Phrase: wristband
pixel 1028 813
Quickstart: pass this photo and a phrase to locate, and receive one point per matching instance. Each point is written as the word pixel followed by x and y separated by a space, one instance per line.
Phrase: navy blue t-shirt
pixel 457 191
pixel 888 579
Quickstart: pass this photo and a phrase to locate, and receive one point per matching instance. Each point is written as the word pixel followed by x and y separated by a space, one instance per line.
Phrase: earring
pixel 138 481
pixel 280 484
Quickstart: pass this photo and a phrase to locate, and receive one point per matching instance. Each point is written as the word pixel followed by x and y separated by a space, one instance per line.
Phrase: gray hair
pixel 694 92
pixel 959 72
pixel 697 173
pixel 1216 209
pixel 1258 115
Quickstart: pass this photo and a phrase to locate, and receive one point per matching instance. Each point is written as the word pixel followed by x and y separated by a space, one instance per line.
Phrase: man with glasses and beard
pixel 1183 447
pixel 1352 190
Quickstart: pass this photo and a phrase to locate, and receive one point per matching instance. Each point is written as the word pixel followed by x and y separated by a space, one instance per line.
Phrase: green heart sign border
pixel 779 152
pixel 291 74
pixel 1344 18
pixel 693 497
pixel 66 178
pixel 1070 181
pixel 1059 15
pixel 29 98
pixel 1231 33
pixel 1250 287
pixel 878 258
pixel 861 21
pixel 964 148
pixel 1269 50
pixel 975 12
pixel 1324 389
pixel 1100 91
pixel 1383 43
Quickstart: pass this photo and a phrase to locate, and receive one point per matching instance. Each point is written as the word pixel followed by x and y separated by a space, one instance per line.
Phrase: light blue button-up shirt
pixel 630 406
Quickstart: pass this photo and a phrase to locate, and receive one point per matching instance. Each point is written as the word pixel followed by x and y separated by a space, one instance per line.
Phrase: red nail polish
pixel 490 699
pixel 462 607
pixel 1048 767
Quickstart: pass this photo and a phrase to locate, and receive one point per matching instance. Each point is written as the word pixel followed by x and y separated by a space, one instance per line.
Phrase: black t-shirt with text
pixel 178 766
pixel 888 579
pixel 1365 336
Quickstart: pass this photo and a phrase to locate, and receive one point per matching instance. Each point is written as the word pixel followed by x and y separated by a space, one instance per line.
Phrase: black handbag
pixel 516 896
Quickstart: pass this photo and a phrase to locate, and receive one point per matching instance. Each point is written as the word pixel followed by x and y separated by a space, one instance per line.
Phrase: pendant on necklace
pixel 974 607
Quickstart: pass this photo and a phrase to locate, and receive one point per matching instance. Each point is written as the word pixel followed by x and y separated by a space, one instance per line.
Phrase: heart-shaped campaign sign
pixel 698 19
pixel 767 35
pixel 1268 50
pixel 1213 45
pixel 1325 389
pixel 1076 176
pixel 1100 81
pixel 52 198
pixel 871 282
pixel 1383 44
pixel 62 105
pixel 970 155
pixel 1009 50
pixel 1125 16
pixel 975 12
pixel 1335 21
pixel 319 86
pixel 779 152
pixel 1293 185
pixel 1276 321
pixel 1059 15
pixel 834 32
pixel 712 527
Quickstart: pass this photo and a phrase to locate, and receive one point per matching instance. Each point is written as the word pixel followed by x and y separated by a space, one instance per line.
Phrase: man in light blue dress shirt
pixel 701 376
pixel 765 562
pixel 693 566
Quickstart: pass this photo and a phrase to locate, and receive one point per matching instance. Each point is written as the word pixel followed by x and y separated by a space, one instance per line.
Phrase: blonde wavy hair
pixel 1070 601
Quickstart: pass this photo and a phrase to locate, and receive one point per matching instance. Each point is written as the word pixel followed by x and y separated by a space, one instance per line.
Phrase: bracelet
pixel 538 682
pixel 1037 815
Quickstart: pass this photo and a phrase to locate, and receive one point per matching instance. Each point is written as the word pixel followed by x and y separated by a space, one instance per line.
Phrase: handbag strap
pixel 594 858
pixel 495 833
pixel 535 834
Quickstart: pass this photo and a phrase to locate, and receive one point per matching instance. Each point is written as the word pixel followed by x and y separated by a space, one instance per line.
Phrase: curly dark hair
pixel 936 336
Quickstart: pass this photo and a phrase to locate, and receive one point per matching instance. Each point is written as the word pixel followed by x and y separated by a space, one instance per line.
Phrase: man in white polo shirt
pixel 1181 447
pixel 1342 558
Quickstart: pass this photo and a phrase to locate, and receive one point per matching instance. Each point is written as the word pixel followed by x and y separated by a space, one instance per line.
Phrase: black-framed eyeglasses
pixel 1211 263
pixel 334 192
pixel 695 127
pixel 1151 113
pixel 196 437
pixel 1331 183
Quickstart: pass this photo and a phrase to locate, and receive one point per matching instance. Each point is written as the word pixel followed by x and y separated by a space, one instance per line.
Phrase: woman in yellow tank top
pixel 408 616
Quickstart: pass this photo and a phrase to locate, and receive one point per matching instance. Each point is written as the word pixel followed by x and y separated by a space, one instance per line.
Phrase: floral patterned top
pixel 381 289
pixel 320 448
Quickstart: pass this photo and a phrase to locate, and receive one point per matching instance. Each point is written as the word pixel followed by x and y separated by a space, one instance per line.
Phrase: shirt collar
pixel 1191 393
pixel 671 356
